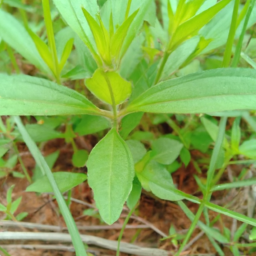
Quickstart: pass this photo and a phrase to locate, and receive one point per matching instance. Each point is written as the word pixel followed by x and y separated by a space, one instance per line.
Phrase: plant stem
pixel 231 36
pixel 21 163
pixel 51 39
pixel 161 68
pixel 122 230
pixel 114 107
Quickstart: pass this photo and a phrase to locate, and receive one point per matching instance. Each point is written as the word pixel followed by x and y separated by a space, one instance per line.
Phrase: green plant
pixel 130 72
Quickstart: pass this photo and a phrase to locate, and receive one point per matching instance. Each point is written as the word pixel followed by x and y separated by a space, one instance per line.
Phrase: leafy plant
pixel 106 37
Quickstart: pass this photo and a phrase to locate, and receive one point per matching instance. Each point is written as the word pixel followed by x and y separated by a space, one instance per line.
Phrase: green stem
pixel 51 39
pixel 191 229
pixel 114 106
pixel 22 164
pixel 123 228
pixel 231 36
pixel 161 68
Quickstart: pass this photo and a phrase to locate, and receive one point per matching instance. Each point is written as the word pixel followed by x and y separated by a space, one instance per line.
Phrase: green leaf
pixel 91 124
pixel 21 216
pixel 135 194
pixel 179 56
pixel 128 123
pixel 73 15
pixel 212 129
pixel 15 35
pixel 100 35
pixel 185 156
pixel 203 92
pixel 79 158
pixel 136 24
pixel 137 149
pixel 40 133
pixel 157 179
pixel 43 50
pixel 36 96
pixel 50 160
pixel 248 60
pixel 42 185
pixel 9 194
pixel 110 175
pixel 165 150
pixel 15 205
pixel 119 37
pixel 66 52
pixel 194 24
pixel 109 87
pixel 2 208
pixel 248 148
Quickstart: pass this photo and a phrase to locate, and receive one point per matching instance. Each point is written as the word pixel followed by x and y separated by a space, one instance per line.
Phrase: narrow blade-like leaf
pixel 110 175
pixel 25 95
pixel 66 52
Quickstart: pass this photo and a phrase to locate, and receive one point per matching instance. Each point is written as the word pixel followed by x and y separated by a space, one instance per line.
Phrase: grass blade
pixel 75 236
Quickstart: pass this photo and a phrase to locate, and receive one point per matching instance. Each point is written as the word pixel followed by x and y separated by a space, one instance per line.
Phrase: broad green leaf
pixel 137 149
pixel 110 175
pixel 109 87
pixel 157 179
pixel 73 15
pixel 79 158
pixel 25 95
pixel 40 133
pixel 66 52
pixel 91 124
pixel 64 180
pixel 128 123
pixel 248 148
pixel 73 231
pixel 194 24
pixel 15 35
pixel 203 92
pixel 179 56
pixel 119 37
pixel 134 196
pixel 165 150
pixel 43 50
